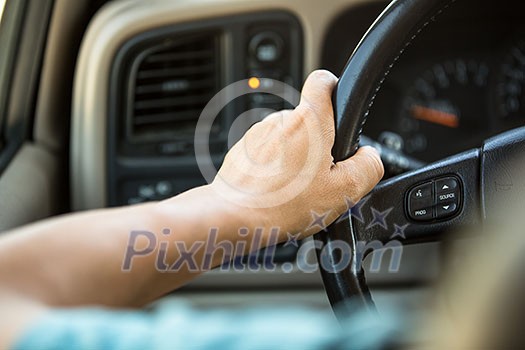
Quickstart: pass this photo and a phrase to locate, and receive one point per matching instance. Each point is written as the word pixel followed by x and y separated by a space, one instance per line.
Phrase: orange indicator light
pixel 254 83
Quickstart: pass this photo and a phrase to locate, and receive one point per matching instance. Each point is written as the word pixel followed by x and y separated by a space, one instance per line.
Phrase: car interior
pixel 100 100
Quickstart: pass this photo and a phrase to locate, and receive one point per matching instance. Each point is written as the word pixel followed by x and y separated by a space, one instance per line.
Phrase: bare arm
pixel 103 257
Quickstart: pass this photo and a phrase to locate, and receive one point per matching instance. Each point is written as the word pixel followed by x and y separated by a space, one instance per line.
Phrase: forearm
pixel 279 177
pixel 100 257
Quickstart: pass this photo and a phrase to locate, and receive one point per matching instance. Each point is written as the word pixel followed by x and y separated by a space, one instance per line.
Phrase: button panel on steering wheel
pixel 436 199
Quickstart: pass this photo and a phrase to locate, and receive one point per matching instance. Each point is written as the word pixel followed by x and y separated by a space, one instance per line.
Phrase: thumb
pixel 358 175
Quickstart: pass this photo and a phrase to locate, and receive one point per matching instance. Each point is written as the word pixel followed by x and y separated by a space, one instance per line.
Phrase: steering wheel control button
pixel 421 197
pixel 446 210
pixel 447 191
pixel 422 192
pixel 421 201
pixel 425 214
pixel 450 197
pixel 434 200
pixel 446 185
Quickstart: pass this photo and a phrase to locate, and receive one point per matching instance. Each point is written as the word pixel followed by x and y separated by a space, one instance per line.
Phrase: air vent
pixel 173 83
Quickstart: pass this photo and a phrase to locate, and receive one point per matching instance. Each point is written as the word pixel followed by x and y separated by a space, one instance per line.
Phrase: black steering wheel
pixel 422 204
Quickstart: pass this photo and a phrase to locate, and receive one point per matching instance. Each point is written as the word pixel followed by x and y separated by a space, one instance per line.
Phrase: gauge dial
pixel 511 84
pixel 445 103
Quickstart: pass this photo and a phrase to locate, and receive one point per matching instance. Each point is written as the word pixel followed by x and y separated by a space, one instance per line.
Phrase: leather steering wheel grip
pixel 371 62
pixel 360 81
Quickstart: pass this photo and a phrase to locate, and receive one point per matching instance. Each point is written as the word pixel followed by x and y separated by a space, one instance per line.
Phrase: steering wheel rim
pixel 377 53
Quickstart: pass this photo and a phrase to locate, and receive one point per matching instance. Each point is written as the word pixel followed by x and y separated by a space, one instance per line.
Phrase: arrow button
pixel 448 184
pixel 445 211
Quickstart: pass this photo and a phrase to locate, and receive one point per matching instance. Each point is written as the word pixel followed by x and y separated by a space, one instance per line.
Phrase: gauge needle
pixel 435 116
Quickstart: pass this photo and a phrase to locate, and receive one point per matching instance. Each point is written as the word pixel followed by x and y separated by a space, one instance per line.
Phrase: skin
pixel 77 260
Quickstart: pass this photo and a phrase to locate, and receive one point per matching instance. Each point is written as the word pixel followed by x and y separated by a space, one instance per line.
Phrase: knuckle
pixel 375 163
pixel 305 110
pixel 322 75
pixel 256 128
pixel 273 117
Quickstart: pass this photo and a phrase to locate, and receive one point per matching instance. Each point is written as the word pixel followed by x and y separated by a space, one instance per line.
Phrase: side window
pixel 23 30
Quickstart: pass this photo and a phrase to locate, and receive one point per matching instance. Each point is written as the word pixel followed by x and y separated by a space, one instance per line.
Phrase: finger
pixel 357 176
pixel 316 96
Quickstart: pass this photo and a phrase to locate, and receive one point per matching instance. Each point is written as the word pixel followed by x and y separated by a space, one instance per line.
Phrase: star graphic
pixel 318 221
pixel 292 240
pixel 379 218
pixel 399 231
pixel 344 217
pixel 349 205
pixel 355 210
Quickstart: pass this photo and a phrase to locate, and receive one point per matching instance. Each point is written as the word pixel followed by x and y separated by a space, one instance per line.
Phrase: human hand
pixel 276 177
pixel 281 173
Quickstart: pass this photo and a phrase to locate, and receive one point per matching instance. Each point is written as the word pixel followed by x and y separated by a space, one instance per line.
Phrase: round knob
pixel 267 47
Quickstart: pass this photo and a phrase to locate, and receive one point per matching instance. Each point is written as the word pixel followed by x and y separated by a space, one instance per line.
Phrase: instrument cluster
pixel 462 82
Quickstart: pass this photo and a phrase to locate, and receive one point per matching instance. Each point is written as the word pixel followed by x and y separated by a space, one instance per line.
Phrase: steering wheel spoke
pixel 421 205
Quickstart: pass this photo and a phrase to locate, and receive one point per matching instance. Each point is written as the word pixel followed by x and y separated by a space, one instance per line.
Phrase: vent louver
pixel 173 83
